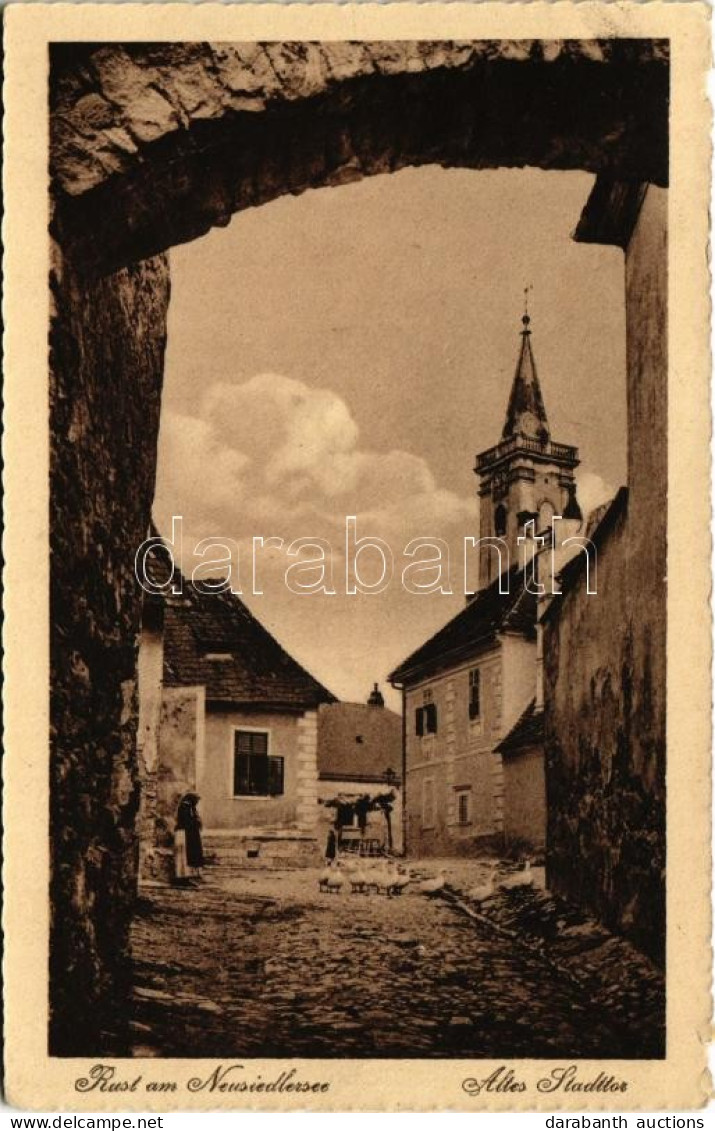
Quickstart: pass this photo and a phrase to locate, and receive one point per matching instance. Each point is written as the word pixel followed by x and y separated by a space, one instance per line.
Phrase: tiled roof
pixel 527 731
pixel 358 742
pixel 256 669
pixel 486 614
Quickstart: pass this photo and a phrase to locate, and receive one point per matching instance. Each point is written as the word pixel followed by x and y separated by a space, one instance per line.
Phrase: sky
pixel 347 352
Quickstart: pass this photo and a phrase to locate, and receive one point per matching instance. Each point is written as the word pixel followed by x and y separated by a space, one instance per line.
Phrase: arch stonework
pixel 152 145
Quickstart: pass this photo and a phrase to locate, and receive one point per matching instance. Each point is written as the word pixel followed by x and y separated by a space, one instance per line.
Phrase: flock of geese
pixel 386 877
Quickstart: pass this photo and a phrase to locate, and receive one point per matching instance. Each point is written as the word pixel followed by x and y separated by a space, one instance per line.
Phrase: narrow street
pixel 263 964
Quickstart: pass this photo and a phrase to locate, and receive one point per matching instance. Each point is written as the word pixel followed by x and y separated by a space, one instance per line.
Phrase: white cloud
pixel 592 490
pixel 275 456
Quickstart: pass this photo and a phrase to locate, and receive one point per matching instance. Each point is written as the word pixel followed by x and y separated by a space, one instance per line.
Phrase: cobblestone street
pixel 263 964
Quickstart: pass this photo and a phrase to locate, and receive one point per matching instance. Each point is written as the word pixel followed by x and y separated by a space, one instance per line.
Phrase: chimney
pixel 375 699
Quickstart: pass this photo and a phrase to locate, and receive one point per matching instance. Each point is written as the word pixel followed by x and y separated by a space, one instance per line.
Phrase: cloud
pixel 275 456
pixel 592 490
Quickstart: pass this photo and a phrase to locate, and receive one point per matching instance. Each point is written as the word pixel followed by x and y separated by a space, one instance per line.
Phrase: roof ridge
pixel 490 605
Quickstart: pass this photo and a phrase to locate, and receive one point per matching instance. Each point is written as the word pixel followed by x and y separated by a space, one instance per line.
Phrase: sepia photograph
pixel 360 513
pixel 396 784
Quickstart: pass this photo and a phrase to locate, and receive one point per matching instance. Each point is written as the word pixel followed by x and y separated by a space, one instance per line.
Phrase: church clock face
pixel 530 425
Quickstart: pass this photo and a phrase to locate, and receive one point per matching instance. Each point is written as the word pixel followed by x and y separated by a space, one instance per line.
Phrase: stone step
pixel 236 853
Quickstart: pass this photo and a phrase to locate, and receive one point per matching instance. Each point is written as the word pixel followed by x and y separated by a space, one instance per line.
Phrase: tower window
pixel 500 521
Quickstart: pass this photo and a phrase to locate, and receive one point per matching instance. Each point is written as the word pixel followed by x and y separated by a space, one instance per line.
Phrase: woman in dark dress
pixel 189 822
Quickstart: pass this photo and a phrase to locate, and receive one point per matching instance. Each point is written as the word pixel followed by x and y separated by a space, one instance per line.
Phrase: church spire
pixel 525 414
pixel 526 476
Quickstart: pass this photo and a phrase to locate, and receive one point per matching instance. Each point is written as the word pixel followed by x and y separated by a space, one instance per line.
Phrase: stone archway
pixel 154 144
pixel 151 145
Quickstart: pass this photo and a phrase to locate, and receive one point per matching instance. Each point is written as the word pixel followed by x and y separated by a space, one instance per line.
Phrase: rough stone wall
pixel 150 665
pixel 107 346
pixel 604 655
pixel 153 144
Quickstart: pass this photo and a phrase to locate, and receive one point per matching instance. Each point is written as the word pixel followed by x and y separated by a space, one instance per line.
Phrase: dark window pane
pixel 250 765
pixel 259 775
pixel 275 776
pixel 419 722
pixel 240 773
pixel 259 744
pixel 474 694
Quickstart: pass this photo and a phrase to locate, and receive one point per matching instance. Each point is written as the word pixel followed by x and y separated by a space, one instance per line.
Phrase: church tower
pixel 526 476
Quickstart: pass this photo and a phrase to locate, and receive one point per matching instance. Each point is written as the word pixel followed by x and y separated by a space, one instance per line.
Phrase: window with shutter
pixel 254 773
pixel 431 718
pixel 275 776
pixel 426 720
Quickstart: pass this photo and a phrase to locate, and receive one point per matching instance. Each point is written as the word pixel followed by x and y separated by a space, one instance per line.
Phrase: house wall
pixel 525 793
pixel 459 757
pixel 604 655
pixel 180 740
pixel 292 737
pixel 519 679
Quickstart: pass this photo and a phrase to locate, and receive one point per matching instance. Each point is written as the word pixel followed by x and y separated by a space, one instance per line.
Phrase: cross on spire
pixel 526 319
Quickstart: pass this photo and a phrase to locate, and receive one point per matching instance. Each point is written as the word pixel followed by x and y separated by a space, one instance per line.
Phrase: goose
pixel 323 878
pixel 372 879
pixel 357 880
pixel 434 885
pixel 402 879
pixel 386 878
pixel 482 891
pixel 336 879
pixel 521 879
